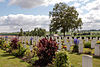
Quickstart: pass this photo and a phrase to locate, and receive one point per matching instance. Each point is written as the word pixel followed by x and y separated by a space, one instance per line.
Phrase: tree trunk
pixel 64 32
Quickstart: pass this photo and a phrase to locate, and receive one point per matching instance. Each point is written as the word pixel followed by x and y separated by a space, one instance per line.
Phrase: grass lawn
pixel 76 60
pixel 7 60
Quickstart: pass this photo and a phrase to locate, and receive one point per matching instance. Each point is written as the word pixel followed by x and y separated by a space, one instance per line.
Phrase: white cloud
pixel 27 22
pixel 76 4
pixel 26 3
pixel 35 3
pixel 90 14
pixel 1 0
pixel 94 5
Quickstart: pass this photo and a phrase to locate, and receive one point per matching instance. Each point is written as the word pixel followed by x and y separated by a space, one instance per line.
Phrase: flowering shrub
pixel 14 43
pixel 62 59
pixel 98 42
pixel 31 41
pixel 16 48
pixel 76 42
pixel 46 51
pixel 87 44
pixel 31 56
pixel 19 52
pixel 64 47
pixel 6 45
pixel 1 43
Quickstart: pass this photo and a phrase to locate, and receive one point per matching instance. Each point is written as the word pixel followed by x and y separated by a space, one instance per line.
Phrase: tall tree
pixel 64 18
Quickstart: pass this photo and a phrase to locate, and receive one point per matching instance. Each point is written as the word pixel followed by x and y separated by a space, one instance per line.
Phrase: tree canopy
pixel 64 18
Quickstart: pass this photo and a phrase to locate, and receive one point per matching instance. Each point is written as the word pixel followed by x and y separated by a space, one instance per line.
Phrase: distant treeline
pixel 15 33
pixel 35 32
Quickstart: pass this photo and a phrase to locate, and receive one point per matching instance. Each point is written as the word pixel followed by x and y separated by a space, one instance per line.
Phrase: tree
pixel 21 32
pixel 64 18
pixel 38 32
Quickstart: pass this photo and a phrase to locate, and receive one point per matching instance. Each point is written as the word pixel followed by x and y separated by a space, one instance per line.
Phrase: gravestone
pixel 97 49
pixel 86 40
pixel 65 41
pixel 80 46
pixel 70 40
pixel 24 45
pixel 87 61
pixel 60 44
pixel 31 47
pixel 93 42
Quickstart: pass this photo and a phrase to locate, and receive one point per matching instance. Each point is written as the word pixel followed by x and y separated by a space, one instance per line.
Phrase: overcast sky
pixel 28 14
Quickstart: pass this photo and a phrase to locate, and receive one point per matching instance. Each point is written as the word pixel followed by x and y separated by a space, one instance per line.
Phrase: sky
pixel 29 14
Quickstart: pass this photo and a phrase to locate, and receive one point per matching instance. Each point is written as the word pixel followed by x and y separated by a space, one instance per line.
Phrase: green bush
pixel 87 44
pixel 31 56
pixel 19 51
pixel 6 46
pixel 62 59
pixel 34 59
pixel 75 48
pixel 1 43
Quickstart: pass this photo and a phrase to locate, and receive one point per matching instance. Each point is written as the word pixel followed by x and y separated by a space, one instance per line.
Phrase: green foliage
pixel 87 44
pixel 64 18
pixel 62 59
pixel 19 52
pixel 31 56
pixel 1 43
pixel 16 48
pixel 75 48
pixel 34 59
pixel 38 32
pixel 6 45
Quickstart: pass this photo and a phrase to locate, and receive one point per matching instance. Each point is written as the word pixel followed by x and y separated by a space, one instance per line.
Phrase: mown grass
pixel 76 60
pixel 7 60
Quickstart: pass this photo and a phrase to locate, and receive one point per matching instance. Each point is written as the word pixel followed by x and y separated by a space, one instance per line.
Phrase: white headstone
pixel 70 40
pixel 86 40
pixel 68 47
pixel 31 47
pixel 80 46
pixel 97 50
pixel 24 45
pixel 60 44
pixel 65 40
pixel 93 42
pixel 87 61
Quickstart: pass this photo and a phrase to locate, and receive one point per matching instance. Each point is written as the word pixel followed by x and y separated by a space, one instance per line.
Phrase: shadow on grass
pixel 97 57
pixel 12 58
pixel 30 66
pixel 6 55
pixel 75 53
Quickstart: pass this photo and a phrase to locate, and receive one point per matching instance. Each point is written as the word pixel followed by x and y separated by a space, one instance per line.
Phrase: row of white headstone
pixel 81 45
pixel 59 41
